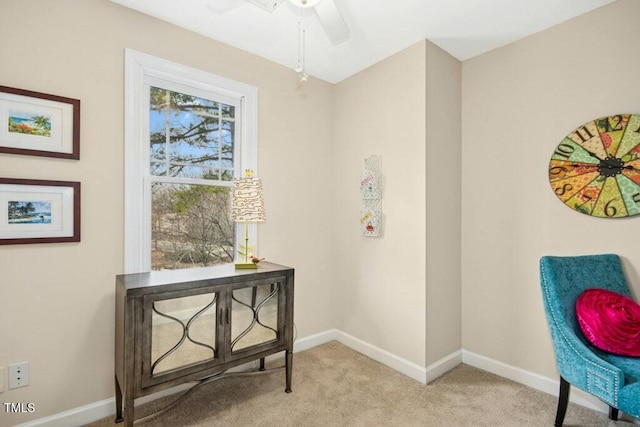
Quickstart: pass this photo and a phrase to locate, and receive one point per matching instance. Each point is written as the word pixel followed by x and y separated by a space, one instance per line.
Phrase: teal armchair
pixel 613 379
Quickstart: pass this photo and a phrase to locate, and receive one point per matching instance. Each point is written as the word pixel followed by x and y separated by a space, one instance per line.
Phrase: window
pixel 188 134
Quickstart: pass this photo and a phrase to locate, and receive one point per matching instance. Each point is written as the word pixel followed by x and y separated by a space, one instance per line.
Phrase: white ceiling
pixel 378 28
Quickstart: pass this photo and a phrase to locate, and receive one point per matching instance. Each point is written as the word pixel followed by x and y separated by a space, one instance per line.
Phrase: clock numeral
pixel 587 199
pixel 610 210
pixel 561 191
pixel 564 150
pixel 584 130
pixel 636 198
pixel 606 123
pixel 559 170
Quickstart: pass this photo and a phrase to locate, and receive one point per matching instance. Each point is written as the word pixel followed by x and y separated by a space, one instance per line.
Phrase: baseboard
pixel 443 366
pixel 531 379
pixel 105 408
pixel 302 344
pixel 410 369
pixel 404 366
pixel 77 416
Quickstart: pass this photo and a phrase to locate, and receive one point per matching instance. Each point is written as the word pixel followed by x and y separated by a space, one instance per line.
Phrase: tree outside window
pixel 191 161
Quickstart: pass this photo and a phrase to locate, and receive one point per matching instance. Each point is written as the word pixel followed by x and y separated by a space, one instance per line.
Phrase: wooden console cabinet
pixel 179 326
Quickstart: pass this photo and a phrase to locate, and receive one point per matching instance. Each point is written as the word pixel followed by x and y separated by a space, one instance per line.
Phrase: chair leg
pixel 563 401
pixel 613 413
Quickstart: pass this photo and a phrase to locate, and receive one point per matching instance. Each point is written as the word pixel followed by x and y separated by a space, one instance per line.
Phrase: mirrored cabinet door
pixel 184 333
pixel 255 317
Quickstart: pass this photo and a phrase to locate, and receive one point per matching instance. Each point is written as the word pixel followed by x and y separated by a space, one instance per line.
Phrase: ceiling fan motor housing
pixel 305 3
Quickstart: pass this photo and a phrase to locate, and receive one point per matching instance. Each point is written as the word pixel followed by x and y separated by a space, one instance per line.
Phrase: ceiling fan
pixel 326 10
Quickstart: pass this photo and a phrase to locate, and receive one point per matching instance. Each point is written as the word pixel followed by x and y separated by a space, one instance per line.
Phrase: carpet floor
pixel 336 386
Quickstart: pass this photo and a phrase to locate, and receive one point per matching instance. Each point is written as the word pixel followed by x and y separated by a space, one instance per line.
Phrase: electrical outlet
pixel 18 375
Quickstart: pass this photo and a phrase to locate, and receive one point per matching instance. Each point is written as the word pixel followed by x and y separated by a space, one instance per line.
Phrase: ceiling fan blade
pixel 268 5
pixel 332 21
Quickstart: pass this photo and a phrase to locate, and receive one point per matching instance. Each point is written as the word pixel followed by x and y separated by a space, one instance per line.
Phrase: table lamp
pixel 247 206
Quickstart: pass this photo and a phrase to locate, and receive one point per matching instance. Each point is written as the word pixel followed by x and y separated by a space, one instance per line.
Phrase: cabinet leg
pixel 129 412
pixel 288 368
pixel 119 418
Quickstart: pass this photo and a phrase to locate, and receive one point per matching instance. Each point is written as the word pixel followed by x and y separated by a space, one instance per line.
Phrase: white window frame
pixel 141 72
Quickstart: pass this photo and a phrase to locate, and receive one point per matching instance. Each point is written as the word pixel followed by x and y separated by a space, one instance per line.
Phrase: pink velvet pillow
pixel 610 321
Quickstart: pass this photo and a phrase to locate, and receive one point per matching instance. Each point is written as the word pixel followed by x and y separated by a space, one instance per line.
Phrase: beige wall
pixel 395 292
pixel 518 103
pixel 380 282
pixel 57 300
pixel 443 198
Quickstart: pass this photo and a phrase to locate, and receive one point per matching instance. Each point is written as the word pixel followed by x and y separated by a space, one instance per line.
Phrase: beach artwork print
pixel 39 211
pixel 29 123
pixel 39 124
pixel 29 212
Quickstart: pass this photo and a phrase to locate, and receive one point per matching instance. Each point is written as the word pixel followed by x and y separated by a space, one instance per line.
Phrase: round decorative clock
pixel 595 170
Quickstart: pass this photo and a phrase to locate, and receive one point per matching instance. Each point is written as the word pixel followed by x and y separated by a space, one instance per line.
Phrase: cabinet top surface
pixel 218 272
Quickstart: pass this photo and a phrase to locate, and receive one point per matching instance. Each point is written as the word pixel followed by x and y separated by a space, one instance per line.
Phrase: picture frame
pixel 39 124
pixel 39 211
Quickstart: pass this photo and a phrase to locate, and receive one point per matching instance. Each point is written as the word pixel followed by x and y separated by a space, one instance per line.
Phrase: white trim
pixel 385 357
pixel 423 375
pixel 78 416
pixel 105 408
pixel 532 380
pixel 444 365
pixel 315 340
pixel 140 70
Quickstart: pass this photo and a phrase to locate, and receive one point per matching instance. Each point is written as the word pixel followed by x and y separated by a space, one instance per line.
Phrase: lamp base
pixel 245 265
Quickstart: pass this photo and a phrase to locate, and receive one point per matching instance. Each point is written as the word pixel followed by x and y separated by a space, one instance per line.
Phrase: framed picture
pixel 38 124
pixel 39 211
